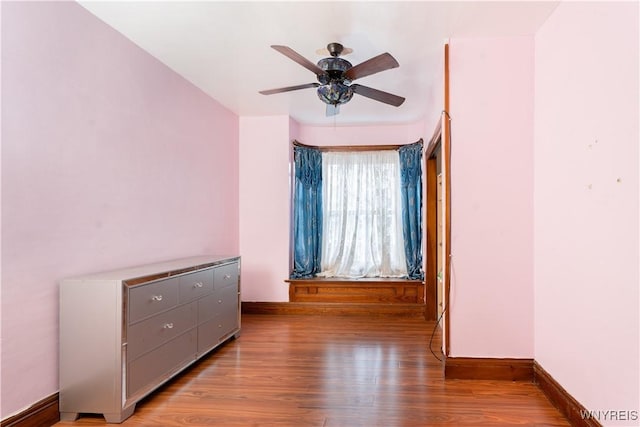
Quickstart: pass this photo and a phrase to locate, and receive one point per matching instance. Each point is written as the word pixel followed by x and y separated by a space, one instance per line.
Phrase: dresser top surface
pixel 171 267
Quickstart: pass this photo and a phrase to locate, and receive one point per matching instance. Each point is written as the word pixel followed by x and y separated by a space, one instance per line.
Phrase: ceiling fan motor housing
pixel 335 68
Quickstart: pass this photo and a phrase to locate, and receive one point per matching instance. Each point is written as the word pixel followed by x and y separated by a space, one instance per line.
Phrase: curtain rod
pixel 297 143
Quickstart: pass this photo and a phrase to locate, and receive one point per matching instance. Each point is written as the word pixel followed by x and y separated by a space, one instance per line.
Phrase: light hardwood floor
pixel 330 371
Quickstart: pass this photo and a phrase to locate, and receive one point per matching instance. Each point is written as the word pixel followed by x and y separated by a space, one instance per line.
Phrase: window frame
pixel 336 148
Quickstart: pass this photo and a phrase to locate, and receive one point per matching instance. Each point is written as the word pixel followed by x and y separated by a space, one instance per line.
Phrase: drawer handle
pixel 219 301
pixel 197 285
pixel 168 326
pixel 156 298
pixel 227 276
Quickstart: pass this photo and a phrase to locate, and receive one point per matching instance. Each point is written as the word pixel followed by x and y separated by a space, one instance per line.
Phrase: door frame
pixel 441 139
pixel 431 250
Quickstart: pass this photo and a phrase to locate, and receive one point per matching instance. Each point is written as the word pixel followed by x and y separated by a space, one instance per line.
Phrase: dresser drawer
pixel 214 330
pixel 147 300
pixel 227 300
pixel 227 322
pixel 195 285
pixel 217 302
pixel 207 307
pixel 208 336
pixel 225 275
pixel 227 313
pixel 152 332
pixel 155 366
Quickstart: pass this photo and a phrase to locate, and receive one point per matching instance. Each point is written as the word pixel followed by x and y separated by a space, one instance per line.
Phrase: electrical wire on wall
pixel 435 327
pixel 449 271
pixel 444 310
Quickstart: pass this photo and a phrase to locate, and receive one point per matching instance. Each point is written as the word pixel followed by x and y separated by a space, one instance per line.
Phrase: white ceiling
pixel 223 47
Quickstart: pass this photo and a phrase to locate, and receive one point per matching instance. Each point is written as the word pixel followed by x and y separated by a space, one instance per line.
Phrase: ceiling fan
pixel 335 75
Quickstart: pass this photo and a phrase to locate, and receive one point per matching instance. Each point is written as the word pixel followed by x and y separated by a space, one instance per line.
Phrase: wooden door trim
pixel 446 159
pixel 431 260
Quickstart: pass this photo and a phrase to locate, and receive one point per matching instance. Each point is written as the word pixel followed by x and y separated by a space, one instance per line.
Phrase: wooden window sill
pixel 365 290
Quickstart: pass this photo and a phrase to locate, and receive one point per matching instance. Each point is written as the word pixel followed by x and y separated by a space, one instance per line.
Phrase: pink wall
pixel 586 203
pixel 491 306
pixel 109 159
pixel 264 207
pixel 363 134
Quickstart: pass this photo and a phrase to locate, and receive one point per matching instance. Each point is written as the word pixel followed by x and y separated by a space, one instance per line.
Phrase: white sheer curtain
pixel 362 219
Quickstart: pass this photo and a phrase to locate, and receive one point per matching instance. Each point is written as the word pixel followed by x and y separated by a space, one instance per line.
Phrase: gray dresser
pixel 125 332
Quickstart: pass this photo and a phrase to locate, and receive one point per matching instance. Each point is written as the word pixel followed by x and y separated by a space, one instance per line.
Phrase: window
pixel 362 215
pixel 357 214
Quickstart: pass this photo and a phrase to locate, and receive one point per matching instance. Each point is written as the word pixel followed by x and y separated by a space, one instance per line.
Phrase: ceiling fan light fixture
pixel 335 93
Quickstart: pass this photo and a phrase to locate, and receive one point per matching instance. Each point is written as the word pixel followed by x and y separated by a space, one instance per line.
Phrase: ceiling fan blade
pixel 378 95
pixel 295 56
pixel 288 88
pixel 374 65
pixel 332 110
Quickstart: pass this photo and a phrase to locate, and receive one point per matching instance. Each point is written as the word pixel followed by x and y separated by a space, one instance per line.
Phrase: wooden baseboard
pixel 344 309
pixel 471 368
pixel 43 413
pixel 573 411
pixel 366 291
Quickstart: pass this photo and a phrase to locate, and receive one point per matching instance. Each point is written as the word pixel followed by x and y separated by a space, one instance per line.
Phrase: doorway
pixel 435 227
pixel 438 229
pixel 438 217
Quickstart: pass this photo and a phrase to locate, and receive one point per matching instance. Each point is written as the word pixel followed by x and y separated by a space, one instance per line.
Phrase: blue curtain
pixel 307 199
pixel 411 179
